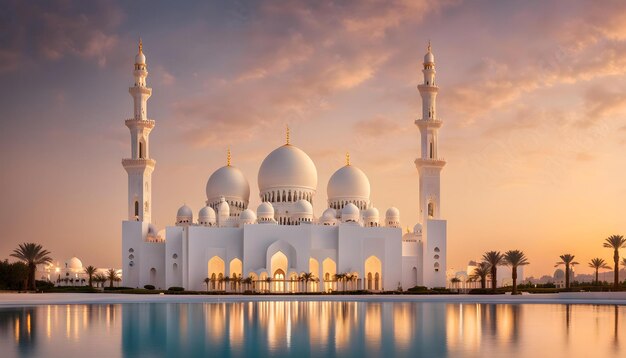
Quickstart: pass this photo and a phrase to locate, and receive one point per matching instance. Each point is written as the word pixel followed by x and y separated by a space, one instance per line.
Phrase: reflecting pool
pixel 314 329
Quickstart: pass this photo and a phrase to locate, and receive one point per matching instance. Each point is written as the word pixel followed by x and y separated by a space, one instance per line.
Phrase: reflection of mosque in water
pixel 316 328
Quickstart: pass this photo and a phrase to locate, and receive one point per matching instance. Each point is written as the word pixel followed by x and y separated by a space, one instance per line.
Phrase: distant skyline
pixel 531 95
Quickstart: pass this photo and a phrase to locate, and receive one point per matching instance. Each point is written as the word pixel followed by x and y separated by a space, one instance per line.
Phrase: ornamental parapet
pixel 134 122
pixel 432 163
pixel 433 123
pixel 427 88
pixel 138 163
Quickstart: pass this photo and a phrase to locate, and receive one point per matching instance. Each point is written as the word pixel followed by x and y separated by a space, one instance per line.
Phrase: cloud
pixel 54 30
pixel 377 127
pixel 297 57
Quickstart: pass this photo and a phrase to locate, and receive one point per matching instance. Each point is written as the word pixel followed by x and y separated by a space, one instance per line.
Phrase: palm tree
pixel 206 282
pixel 493 258
pixel 623 262
pixel 567 260
pixel 481 272
pixel 100 278
pixel 515 258
pixel 597 264
pixel 455 281
pixel 247 281
pixel 350 277
pixel 615 242
pixel 90 271
pixel 112 276
pixel 339 277
pixel 307 277
pixel 33 255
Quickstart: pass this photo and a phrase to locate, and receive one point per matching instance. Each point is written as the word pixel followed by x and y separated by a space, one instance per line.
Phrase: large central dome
pixel 287 167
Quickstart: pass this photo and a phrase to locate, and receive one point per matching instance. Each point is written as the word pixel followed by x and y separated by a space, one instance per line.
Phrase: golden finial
pixel 287 139
pixel 408 231
pixel 347 158
pixel 228 157
pixel 429 48
pixel 140 45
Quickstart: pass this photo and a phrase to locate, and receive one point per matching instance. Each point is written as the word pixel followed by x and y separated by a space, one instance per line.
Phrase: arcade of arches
pixel 321 276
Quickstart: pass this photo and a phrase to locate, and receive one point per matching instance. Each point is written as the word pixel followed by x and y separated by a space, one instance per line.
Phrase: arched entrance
pixel 373 272
pixel 278 268
pixel 216 268
pixel 279 280
pixel 329 269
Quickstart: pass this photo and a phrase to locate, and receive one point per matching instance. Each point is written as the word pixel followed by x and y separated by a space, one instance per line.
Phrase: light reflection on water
pixel 313 329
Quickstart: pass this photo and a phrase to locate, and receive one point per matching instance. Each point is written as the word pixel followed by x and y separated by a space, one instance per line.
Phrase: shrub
pixel 418 288
pixel 175 288
pixel 43 285
pixel 149 287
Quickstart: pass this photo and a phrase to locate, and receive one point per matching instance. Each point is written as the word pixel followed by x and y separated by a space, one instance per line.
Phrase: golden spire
pixel 140 45
pixel 429 48
pixel 408 231
pixel 287 139
pixel 228 158
pixel 347 158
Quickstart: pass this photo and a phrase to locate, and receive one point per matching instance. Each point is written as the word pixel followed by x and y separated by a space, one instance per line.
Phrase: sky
pixel 531 97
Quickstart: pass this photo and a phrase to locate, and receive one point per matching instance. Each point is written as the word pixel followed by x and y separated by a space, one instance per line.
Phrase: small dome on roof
pixel 74 264
pixel 330 212
pixel 184 211
pixel 264 209
pixel 302 207
pixel 206 212
pixel 350 213
pixel 247 217
pixel 371 213
pixel 417 229
pixel 228 182
pixel 392 213
pixel 223 209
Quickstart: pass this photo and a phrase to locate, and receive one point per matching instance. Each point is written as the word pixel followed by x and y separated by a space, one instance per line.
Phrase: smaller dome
pixel 330 212
pixel 247 217
pixel 74 263
pixel 207 213
pixel 140 59
pixel 302 207
pixel 417 229
pixel 429 57
pixel 229 182
pixel 223 209
pixel 371 213
pixel 392 213
pixel 265 212
pixel 184 211
pixel 559 274
pixel 350 213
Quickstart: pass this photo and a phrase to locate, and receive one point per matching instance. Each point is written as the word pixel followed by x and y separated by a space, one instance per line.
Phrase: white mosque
pixel 272 248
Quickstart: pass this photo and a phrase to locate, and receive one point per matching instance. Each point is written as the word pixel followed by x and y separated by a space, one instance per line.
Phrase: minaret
pixel 139 166
pixel 429 164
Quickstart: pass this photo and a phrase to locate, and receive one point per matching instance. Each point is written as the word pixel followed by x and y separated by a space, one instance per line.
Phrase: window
pixel 131 256
pixel 437 249
pixel 136 208
pixel 140 150
pixel 436 257
pixel 175 256
pixel 131 250
pixel 432 150
pixel 431 210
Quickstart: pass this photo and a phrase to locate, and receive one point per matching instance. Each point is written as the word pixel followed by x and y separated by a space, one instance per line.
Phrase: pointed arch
pixel 373 267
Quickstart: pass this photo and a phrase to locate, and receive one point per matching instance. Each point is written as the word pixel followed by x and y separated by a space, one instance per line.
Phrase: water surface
pixel 314 329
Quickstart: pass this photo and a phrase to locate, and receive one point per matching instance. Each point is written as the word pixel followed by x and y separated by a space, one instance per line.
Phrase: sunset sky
pixel 532 95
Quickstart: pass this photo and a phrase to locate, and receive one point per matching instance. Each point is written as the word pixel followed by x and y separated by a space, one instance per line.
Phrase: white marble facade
pixel 229 246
